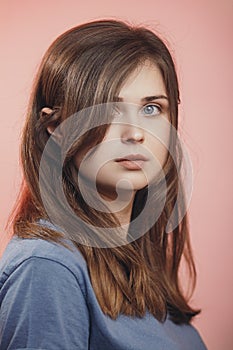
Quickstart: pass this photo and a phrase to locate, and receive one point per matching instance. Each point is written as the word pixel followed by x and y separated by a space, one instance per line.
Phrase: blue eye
pixel 151 110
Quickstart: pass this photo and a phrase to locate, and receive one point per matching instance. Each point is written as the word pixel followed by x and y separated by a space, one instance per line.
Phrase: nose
pixel 132 134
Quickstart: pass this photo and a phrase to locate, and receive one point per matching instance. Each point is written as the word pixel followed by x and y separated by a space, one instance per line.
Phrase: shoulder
pixel 21 253
pixel 43 292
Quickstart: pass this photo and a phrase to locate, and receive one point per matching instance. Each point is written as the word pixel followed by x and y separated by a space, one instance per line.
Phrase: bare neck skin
pixel 121 206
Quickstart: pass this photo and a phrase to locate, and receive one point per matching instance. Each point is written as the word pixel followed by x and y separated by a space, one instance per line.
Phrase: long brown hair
pixel 83 67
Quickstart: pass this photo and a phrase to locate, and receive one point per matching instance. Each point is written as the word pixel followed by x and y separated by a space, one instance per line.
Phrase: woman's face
pixel 131 153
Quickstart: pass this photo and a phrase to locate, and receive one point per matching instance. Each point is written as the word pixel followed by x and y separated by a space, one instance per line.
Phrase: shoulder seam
pixel 49 259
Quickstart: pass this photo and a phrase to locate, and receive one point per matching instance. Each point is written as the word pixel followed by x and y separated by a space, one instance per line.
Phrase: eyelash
pixel 159 110
pixel 116 111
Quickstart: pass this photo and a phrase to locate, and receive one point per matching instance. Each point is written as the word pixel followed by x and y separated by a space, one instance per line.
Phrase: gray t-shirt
pixel 47 302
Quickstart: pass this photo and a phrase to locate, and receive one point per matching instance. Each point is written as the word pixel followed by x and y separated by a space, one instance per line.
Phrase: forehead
pixel 145 80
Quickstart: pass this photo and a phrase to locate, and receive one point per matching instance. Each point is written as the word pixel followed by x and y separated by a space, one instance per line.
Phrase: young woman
pixel 100 226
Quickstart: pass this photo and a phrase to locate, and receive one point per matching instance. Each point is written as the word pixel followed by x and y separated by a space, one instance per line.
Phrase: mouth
pixel 132 161
pixel 132 157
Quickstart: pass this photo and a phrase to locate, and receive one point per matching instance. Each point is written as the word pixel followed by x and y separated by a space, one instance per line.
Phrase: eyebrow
pixel 145 99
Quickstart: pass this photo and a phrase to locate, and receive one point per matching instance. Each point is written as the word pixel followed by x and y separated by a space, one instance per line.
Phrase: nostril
pixel 133 135
pixel 133 139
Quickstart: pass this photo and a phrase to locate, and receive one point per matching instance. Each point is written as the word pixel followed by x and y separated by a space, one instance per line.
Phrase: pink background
pixel 200 35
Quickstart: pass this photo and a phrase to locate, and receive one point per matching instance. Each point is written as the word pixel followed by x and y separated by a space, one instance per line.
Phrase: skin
pixel 137 128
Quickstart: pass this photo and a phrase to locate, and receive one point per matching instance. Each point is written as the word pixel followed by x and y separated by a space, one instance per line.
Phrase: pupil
pixel 149 109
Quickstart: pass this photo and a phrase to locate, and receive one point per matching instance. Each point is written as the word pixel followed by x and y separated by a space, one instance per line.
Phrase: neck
pixel 121 204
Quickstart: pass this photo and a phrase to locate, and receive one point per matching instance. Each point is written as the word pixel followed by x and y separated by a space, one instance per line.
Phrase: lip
pixel 132 157
pixel 132 161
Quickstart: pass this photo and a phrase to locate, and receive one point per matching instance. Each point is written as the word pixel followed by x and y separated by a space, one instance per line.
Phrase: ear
pixel 47 111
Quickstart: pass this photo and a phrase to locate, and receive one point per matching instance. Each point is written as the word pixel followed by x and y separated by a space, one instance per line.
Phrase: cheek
pixel 90 168
pixel 83 165
pixel 159 149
